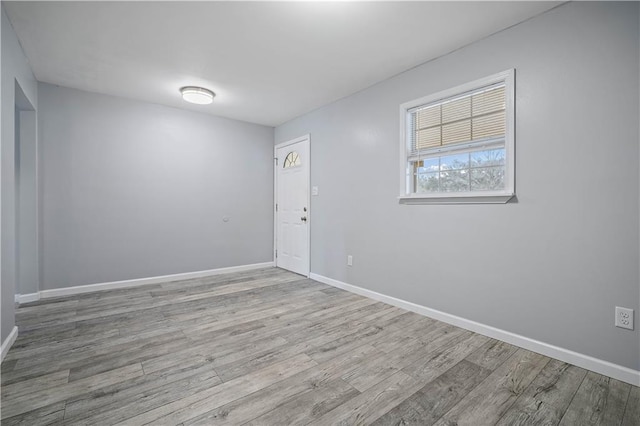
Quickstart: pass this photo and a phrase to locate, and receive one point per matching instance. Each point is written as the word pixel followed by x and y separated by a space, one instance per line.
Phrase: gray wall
pixel 550 266
pixel 133 190
pixel 15 70
pixel 7 312
pixel 27 278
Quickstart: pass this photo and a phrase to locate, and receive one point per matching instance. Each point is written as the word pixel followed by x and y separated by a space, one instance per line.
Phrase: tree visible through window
pixel 472 171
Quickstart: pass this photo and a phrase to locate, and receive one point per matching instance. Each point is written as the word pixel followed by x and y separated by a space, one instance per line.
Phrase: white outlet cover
pixel 314 190
pixel 624 318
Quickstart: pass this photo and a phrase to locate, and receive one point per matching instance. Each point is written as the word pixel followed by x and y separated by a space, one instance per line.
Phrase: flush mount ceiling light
pixel 197 95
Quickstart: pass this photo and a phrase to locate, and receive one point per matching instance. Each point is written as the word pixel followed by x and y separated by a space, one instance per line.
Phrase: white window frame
pixel 469 197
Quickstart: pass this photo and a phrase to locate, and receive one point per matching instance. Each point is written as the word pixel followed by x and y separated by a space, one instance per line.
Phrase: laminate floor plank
pixel 368 406
pixel 251 362
pixel 246 365
pixel 118 345
pixel 190 314
pixel 378 368
pixel 443 358
pixel 44 397
pixel 119 402
pixel 428 404
pixel 8 365
pixel 163 344
pixel 304 407
pixel 97 344
pixel 61 346
pixel 353 319
pixel 424 330
pixel 377 326
pixel 29 310
pixel 488 402
pixel 270 347
pixel 48 415
pixel 546 400
pixel 252 315
pixel 632 411
pixel 202 402
pixel 600 400
pixel 84 363
pixel 279 395
pixel 154 304
pixel 492 354
pixel 23 388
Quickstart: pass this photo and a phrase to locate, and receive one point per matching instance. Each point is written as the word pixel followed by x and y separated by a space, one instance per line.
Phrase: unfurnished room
pixel 320 213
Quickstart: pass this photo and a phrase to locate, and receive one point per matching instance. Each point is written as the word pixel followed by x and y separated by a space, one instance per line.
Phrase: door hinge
pixel 276 207
pixel 276 254
pixel 276 158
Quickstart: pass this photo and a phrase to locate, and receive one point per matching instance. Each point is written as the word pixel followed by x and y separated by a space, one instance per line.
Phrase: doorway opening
pixel 27 270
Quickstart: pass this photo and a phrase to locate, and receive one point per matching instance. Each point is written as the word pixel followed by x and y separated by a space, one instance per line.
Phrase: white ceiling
pixel 268 62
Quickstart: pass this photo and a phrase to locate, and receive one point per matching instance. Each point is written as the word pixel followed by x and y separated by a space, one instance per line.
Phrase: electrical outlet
pixel 624 318
pixel 349 260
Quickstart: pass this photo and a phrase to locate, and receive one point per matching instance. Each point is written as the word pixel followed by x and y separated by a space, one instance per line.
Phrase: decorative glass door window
pixel 291 160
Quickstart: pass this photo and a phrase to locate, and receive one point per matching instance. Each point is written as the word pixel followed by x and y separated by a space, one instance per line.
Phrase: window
pixel 457 146
pixel 291 160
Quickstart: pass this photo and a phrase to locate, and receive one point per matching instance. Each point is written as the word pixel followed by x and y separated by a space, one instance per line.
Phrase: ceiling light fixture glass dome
pixel 197 95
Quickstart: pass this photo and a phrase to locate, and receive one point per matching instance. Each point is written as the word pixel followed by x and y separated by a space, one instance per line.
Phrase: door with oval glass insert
pixel 292 205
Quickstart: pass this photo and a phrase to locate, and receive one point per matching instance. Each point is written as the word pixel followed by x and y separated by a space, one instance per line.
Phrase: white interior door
pixel 292 205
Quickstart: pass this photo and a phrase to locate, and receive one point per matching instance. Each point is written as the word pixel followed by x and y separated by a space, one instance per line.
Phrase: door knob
pixel 303 218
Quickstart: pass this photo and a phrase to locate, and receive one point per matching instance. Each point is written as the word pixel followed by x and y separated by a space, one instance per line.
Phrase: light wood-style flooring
pixel 269 347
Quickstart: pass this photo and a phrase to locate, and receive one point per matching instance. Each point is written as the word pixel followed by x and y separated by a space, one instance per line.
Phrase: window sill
pixel 458 198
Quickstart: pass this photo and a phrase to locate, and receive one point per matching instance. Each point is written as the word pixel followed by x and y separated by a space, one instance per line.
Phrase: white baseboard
pixel 26 298
pixel 606 368
pixel 57 292
pixel 8 342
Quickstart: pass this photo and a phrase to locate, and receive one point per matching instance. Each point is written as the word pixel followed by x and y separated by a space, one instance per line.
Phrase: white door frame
pixel 307 138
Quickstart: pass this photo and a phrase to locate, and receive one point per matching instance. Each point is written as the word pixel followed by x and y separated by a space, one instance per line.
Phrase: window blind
pixel 473 116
